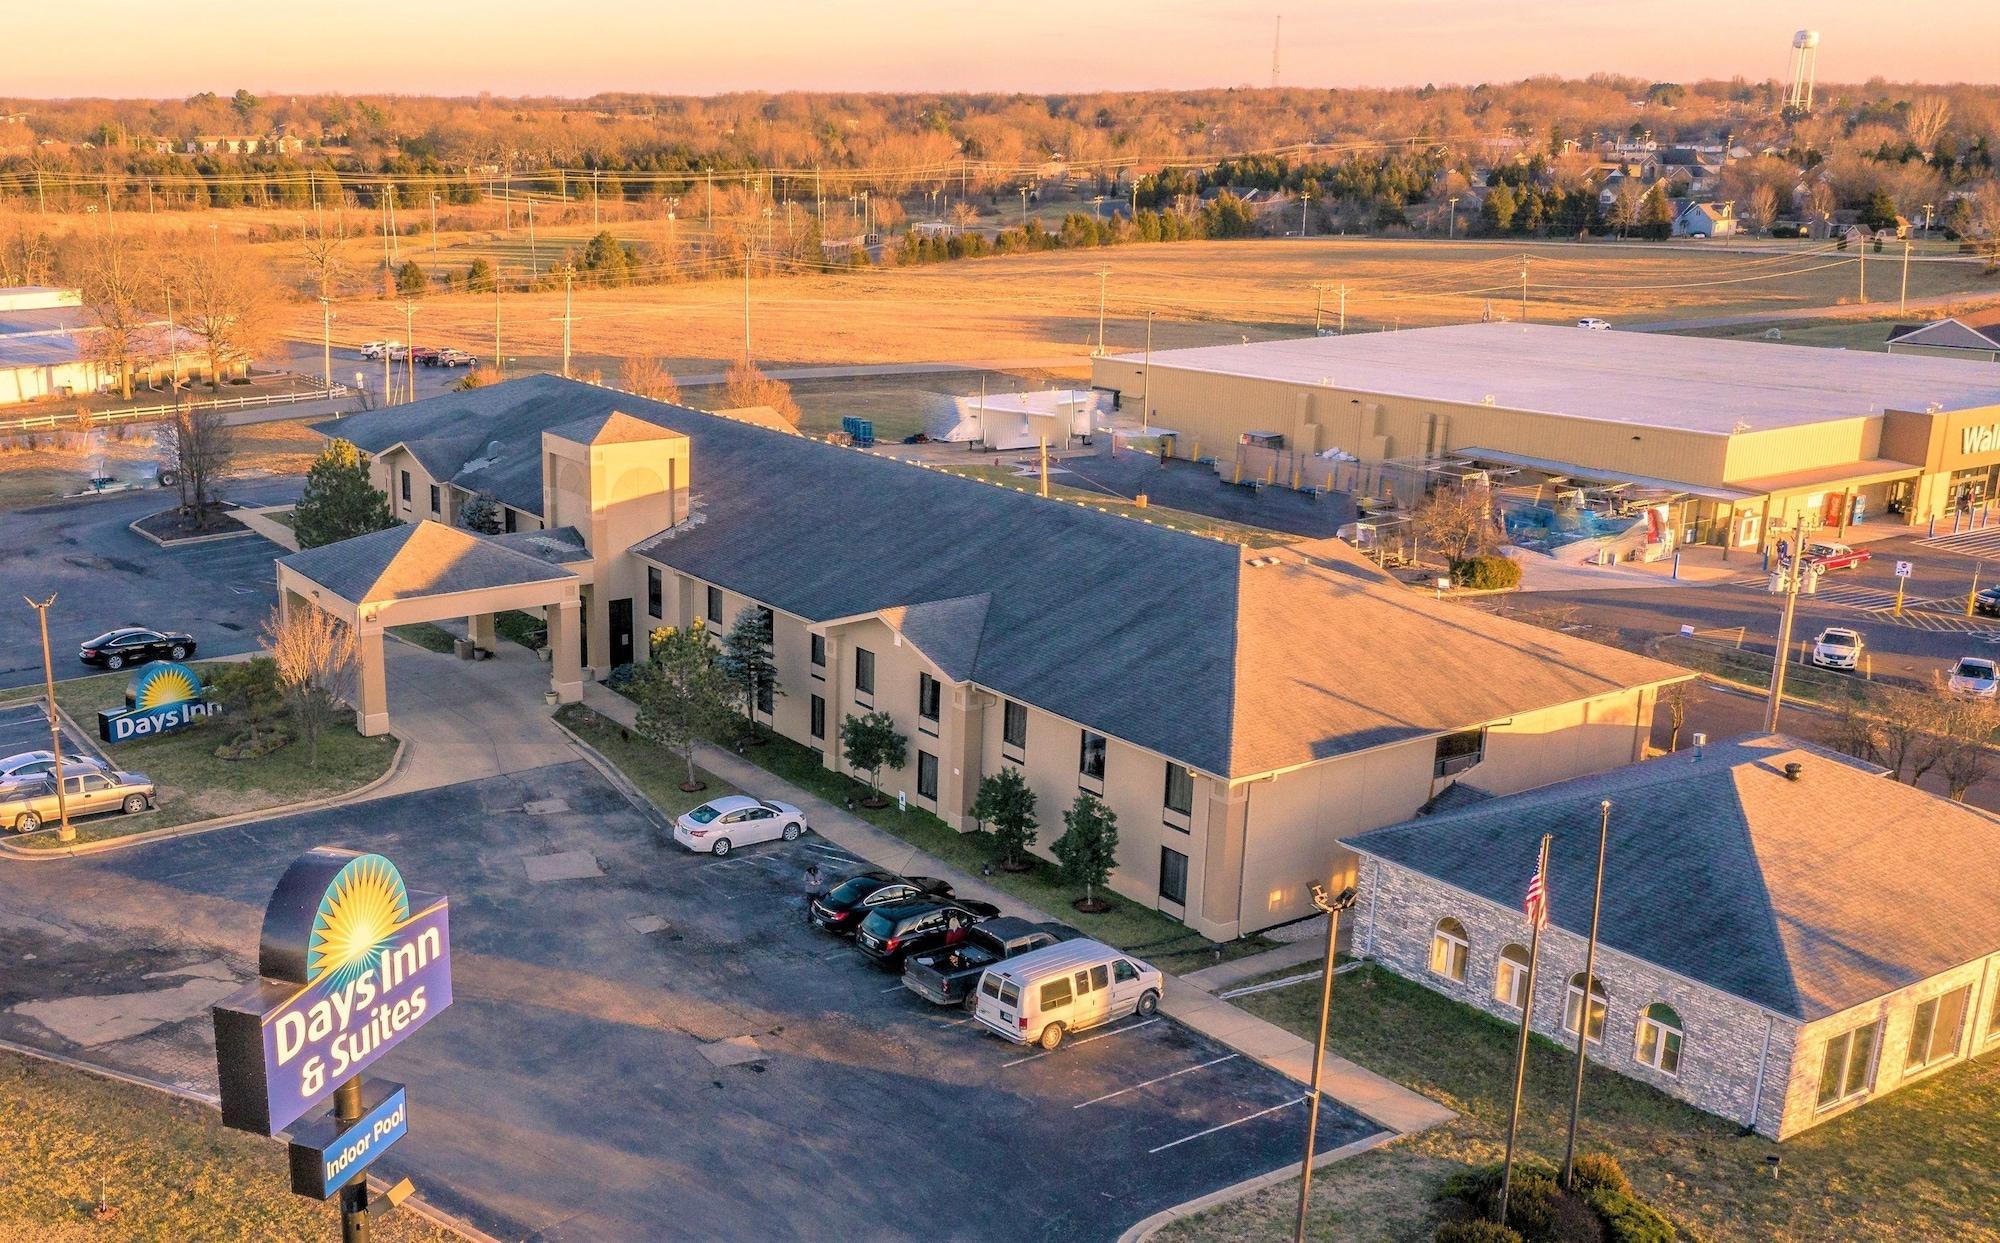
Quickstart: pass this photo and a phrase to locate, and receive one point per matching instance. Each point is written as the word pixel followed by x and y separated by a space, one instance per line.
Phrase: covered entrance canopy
pixel 428 572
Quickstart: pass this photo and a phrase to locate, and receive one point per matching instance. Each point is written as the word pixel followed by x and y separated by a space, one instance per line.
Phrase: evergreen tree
pixel 482 516
pixel 1088 849
pixel 1656 214
pixel 410 280
pixel 1880 212
pixel 1005 802
pixel 746 661
pixel 339 501
pixel 479 277
pixel 1497 212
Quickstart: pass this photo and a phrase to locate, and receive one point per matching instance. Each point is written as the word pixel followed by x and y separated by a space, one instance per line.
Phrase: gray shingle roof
pixel 1805 897
pixel 1167 640
pixel 415 561
pixel 556 545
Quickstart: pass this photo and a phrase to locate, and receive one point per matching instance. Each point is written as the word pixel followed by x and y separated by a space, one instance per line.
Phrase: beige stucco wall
pixel 1782 450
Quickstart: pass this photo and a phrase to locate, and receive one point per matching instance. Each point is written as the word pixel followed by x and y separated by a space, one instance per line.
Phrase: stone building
pixel 1787 933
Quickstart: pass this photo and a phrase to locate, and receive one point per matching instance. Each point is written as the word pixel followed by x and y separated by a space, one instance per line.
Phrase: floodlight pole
pixel 64 832
pixel 1333 907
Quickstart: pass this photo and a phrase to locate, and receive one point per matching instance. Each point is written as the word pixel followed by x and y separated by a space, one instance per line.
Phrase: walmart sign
pixel 1979 439
pixel 159 698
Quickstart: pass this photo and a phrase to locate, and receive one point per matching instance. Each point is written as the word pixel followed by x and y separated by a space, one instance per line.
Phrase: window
pixel 864 671
pixel 819 651
pixel 766 694
pixel 715 604
pixel 1099 976
pixel 1014 726
pixel 1574 1006
pixel 1173 875
pixel 1090 760
pixel 1180 789
pixel 512 521
pixel 437 500
pixel 1458 752
pixel 927 697
pixel 1849 1058
pixel 1124 972
pixel 406 486
pixel 1448 946
pixel 927 774
pixel 1082 983
pixel 1660 1038
pixel 1510 978
pixel 1055 994
pixel 1935 1031
pixel 818 717
pixel 653 591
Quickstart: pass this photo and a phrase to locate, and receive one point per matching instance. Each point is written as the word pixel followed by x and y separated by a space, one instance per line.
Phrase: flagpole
pixel 1535 921
pixel 1589 990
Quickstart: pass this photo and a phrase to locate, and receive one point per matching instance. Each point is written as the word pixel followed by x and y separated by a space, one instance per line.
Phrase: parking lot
pixel 648 1043
pixel 103 575
pixel 25 727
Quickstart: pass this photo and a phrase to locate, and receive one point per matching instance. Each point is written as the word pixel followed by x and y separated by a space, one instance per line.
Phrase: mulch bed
pixel 173 524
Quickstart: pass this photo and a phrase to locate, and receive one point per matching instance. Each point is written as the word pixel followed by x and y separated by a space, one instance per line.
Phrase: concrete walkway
pixel 467 719
pixel 1218 978
pixel 1367 1093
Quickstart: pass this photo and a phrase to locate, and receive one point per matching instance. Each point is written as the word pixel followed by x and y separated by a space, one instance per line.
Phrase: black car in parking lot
pixel 844 907
pixel 135 645
pixel 891 934
pixel 950 976
pixel 1987 601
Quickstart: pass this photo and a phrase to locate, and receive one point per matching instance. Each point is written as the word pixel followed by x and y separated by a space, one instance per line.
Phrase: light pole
pixel 64 833
pixel 1024 208
pixel 1793 569
pixel 1333 907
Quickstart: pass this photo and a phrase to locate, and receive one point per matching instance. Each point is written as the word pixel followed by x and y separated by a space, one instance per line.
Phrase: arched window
pixel 1448 946
pixel 1510 980
pixel 1660 1038
pixel 1574 1007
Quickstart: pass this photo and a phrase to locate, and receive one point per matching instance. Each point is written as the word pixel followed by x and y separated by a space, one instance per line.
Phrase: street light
pixel 1333 907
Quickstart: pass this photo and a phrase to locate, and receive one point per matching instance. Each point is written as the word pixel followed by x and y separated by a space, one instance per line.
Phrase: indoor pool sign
pixel 159 698
pixel 352 962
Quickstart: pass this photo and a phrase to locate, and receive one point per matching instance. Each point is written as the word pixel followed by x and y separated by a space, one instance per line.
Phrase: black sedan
pixel 135 645
pixel 848 903
pixel 892 933
pixel 1987 601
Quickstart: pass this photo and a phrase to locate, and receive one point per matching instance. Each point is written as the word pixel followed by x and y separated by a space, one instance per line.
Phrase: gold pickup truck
pixel 27 805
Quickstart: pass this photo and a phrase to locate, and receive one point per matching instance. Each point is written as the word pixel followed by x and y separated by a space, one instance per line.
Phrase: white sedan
pixel 1975 675
pixel 35 763
pixel 722 824
pixel 1837 647
pixel 1593 323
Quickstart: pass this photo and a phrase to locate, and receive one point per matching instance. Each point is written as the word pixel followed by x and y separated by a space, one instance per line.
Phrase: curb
pixel 134 527
pixel 416 1203
pixel 611 772
pixel 204 826
pixel 1148 1227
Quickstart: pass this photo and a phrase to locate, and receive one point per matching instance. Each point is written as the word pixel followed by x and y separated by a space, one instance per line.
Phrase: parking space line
pixel 1161 1079
pixel 894 988
pixel 1224 1126
pixel 1067 1044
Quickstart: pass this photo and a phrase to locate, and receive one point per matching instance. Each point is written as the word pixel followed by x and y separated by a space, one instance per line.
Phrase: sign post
pixel 1902 577
pixel 351 962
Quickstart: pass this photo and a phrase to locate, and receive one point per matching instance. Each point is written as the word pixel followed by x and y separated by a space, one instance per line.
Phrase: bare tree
pixel 115 286
pixel 1763 208
pixel 648 377
pixel 747 386
pixel 226 303
pixel 197 446
pixel 1675 699
pixel 1964 744
pixel 1926 119
pixel 1983 209
pixel 316 657
pixel 322 252
pixel 1457 521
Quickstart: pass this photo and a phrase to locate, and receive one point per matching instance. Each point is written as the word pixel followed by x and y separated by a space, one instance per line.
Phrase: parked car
pixel 29 764
pixel 455 358
pixel 396 351
pixel 426 354
pixel 1042 997
pixel 1830 556
pixel 375 349
pixel 135 645
pixel 722 824
pixel 842 908
pixel 950 977
pixel 1593 323
pixel 31 804
pixel 1975 675
pixel 891 934
pixel 1987 600
pixel 1836 647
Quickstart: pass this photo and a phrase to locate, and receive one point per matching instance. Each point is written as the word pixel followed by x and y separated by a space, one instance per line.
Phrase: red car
pixel 1831 556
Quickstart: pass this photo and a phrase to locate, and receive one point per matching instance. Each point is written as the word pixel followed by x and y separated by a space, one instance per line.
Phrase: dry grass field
pixel 38 468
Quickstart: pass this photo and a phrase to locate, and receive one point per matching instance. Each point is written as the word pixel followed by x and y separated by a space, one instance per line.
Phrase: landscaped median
pixel 1914 1165
pixel 193 782
pixel 1166 943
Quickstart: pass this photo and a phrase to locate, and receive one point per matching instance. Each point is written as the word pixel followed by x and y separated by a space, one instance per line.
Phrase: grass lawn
pixel 657 776
pixel 1914 1165
pixel 195 785
pixel 163 1168
pixel 427 635
pixel 1178 519
pixel 283 517
pixel 522 628
pixel 1752 669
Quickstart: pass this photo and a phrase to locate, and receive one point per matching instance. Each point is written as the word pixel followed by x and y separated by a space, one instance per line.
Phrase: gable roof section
pixel 612 427
pixel 1806 897
pixel 1947 334
pixel 1135 630
pixel 409 562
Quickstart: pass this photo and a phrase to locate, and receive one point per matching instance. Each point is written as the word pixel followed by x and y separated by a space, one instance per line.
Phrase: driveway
pixel 657 1046
pixel 103 575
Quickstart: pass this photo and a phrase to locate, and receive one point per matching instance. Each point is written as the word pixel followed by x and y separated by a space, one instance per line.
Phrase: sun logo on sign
pixel 362 909
pixel 165 684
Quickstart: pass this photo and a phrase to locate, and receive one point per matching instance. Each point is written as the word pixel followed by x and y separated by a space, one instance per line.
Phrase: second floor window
pixel 1180 789
pixel 1090 762
pixel 927 697
pixel 653 591
pixel 864 671
pixel 1014 726
pixel 819 651
pixel 715 604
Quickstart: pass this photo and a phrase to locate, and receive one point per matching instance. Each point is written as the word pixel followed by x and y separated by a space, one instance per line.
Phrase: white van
pixel 1040 997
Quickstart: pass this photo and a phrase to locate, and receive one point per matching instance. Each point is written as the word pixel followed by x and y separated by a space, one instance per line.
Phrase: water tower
pixel 1805 54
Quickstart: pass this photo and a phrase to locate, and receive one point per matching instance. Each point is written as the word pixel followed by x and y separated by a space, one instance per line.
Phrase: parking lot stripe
pixel 893 988
pixel 1161 1079
pixel 1073 1043
pixel 1224 1126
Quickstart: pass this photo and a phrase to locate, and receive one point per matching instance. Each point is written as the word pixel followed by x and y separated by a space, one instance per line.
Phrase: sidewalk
pixel 1365 1092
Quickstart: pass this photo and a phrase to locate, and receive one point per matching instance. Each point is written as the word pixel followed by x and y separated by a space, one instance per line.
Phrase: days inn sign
pixel 159 698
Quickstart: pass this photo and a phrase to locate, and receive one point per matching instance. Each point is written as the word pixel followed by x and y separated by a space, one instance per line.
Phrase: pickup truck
pixel 28 805
pixel 950 977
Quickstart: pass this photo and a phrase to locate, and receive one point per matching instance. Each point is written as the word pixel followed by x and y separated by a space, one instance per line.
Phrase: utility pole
pixel 1861 261
pixel 499 371
pixel 1103 275
pixel 1024 208
pixel 1333 907
pixel 326 339
pixel 708 203
pixel 746 306
pixel 1903 299
pixel 1792 568
pixel 1146 387
pixel 1451 225
pixel 594 218
pixel 434 226
pixel 1343 309
pixel 64 833
pixel 1305 201
pixel 1524 289
pixel 1319 301
pixel 568 275
pixel 534 252
pixel 410 346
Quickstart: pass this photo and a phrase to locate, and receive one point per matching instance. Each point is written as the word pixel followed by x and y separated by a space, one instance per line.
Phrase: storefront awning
pixel 1832 478
pixel 1592 474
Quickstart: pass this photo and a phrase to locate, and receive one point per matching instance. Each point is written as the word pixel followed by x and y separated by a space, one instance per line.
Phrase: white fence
pixel 104 418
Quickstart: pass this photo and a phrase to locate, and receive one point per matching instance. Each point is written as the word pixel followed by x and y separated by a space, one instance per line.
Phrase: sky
pixel 173 48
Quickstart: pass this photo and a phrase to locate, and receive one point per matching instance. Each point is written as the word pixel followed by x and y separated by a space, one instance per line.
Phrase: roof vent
pixel 1700 741
pixel 1488 400
pixel 1261 561
pixel 1793 770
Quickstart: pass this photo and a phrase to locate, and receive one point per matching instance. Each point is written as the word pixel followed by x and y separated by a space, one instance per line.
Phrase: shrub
pixel 1477 1186
pixel 1486 573
pixel 248 689
pixel 1573 1221
pixel 253 744
pixel 1531 1206
pixel 1600 1170
pixel 1627 1220
pixel 1476 1231
pixel 620 679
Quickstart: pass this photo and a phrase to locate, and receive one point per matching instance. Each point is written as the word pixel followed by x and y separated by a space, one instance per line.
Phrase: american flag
pixel 1537 905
